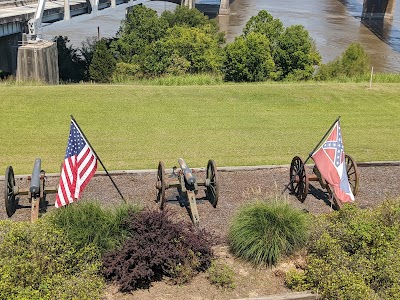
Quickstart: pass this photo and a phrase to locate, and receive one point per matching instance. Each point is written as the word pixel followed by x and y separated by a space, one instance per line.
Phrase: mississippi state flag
pixel 79 166
pixel 331 163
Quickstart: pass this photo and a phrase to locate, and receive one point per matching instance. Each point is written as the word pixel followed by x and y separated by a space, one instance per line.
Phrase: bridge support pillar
pixel 189 3
pixel 224 8
pixel 67 10
pixel 38 61
pixel 94 6
pixel 378 9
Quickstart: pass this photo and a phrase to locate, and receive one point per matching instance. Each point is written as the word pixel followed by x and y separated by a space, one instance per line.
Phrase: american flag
pixel 79 166
pixel 331 163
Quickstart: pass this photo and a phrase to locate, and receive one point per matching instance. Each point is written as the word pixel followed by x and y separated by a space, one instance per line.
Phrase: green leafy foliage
pixel 262 232
pixel 265 24
pixel 141 28
pixel 221 275
pixel 292 51
pixel 353 62
pixel 103 63
pixel 296 54
pixel 157 247
pixel 71 66
pixel 39 262
pixel 86 222
pixel 249 58
pixel 184 49
pixel 353 254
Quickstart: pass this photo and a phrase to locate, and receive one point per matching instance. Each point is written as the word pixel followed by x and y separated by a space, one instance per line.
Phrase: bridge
pixel 21 16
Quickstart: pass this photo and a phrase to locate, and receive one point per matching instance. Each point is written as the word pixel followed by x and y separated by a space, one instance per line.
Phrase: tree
pixel 249 58
pixel 141 28
pixel 265 24
pixel 184 48
pixel 354 61
pixel 186 17
pixel 86 52
pixel 70 64
pixel 103 63
pixel 296 53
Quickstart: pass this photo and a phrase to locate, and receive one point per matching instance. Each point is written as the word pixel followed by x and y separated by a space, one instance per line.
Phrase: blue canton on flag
pixel 79 166
pixel 337 146
pixel 76 143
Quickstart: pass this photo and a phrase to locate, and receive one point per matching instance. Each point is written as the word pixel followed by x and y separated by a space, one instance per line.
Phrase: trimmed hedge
pixel 38 262
pixel 354 254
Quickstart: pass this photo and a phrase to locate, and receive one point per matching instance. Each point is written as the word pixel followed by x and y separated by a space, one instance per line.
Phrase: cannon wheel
pixel 10 201
pixel 336 200
pixel 352 173
pixel 161 185
pixel 298 179
pixel 212 188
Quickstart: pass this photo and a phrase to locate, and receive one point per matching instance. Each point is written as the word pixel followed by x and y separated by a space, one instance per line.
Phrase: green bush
pixel 221 275
pixel 103 63
pixel 262 232
pixel 249 59
pixel 353 62
pixel 296 54
pixel 39 262
pixel 183 49
pixel 353 254
pixel 157 247
pixel 86 222
pixel 141 28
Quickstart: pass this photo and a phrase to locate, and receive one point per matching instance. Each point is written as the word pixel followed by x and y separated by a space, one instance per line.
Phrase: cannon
pixel 300 179
pixel 188 184
pixel 36 191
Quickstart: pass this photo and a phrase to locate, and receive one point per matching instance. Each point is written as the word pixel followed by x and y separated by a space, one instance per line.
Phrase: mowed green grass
pixel 134 126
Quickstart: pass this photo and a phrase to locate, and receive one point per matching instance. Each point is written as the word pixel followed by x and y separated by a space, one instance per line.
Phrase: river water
pixel 333 24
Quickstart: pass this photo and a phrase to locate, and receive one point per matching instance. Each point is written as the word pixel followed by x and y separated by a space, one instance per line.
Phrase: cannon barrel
pixel 35 179
pixel 189 177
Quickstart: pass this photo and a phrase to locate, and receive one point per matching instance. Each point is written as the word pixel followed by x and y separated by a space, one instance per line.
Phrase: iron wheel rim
pixel 213 187
pixel 10 202
pixel 298 187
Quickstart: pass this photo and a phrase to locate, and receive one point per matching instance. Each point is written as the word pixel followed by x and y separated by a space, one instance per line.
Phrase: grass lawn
pixel 135 126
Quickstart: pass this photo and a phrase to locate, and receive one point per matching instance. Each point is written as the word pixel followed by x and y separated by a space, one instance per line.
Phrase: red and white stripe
pixel 75 175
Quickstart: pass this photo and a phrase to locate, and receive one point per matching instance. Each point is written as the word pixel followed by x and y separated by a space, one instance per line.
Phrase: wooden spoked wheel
pixel 212 191
pixel 10 200
pixel 332 197
pixel 298 179
pixel 161 185
pixel 352 173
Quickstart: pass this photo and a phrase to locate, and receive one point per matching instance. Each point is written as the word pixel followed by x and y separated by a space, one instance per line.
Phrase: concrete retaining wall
pixel 38 61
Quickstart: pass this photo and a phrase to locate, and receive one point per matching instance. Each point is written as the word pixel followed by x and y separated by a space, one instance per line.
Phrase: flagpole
pixel 309 155
pixel 98 158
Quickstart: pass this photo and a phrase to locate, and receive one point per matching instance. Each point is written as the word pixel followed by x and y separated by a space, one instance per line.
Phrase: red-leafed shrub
pixel 157 247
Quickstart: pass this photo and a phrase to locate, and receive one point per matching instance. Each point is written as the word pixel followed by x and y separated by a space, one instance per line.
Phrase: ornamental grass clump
pixel 87 222
pixel 264 231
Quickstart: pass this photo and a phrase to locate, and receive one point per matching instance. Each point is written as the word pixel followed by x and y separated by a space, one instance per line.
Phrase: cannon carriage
pixel 300 179
pixel 187 185
pixel 36 192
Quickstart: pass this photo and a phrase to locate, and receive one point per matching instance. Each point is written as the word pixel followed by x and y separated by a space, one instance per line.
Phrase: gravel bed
pixel 236 188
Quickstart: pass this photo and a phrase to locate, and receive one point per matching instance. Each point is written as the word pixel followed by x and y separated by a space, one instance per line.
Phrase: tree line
pixel 187 42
